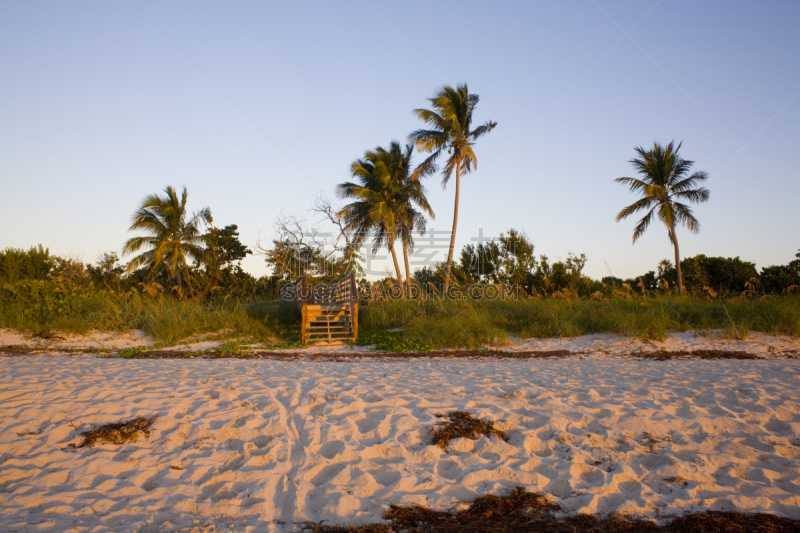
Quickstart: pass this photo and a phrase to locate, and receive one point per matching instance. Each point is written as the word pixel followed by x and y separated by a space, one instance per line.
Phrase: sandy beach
pixel 595 346
pixel 263 445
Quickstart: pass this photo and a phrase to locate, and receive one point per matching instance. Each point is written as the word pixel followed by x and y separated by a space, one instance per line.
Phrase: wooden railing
pixel 330 311
pixel 342 291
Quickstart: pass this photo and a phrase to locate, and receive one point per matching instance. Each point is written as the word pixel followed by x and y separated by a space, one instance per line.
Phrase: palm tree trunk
pixel 674 238
pixel 392 238
pixel 408 268
pixel 397 268
pixel 453 233
pixel 188 279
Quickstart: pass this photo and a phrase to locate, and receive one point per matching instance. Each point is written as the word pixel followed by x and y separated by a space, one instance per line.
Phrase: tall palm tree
pixel 664 181
pixel 172 239
pixel 450 122
pixel 386 201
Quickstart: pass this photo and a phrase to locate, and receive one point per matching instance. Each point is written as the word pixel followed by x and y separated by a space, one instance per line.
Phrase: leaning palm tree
pixel 664 181
pixel 384 201
pixel 450 122
pixel 172 241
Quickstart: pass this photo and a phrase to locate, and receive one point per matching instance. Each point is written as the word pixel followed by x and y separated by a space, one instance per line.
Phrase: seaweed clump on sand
pixel 120 432
pixel 526 512
pixel 487 513
pixel 664 355
pixel 461 424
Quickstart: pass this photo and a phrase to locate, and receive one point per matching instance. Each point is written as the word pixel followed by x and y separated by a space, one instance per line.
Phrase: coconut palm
pixel 386 201
pixel 664 181
pixel 172 240
pixel 450 122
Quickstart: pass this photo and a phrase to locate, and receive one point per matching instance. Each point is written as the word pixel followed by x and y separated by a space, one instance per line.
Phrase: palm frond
pixel 429 140
pixel 694 195
pixel 641 227
pixel 480 131
pixel 633 183
pixel 638 205
pixel 684 216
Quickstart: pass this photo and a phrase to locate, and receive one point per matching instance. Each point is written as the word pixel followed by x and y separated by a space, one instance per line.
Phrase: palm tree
pixel 664 181
pixel 385 201
pixel 450 122
pixel 172 240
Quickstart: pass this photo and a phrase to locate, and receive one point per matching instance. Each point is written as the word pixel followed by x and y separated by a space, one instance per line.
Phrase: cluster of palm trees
pixel 388 200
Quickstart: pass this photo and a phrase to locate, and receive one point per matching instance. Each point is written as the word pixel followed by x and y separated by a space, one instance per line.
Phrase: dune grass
pixel 450 324
pixel 168 320
pixel 418 325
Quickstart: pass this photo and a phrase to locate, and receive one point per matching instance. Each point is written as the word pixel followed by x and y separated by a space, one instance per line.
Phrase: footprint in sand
pixel 778 427
pixel 233 464
pixel 331 449
pixel 209 491
pixel 372 398
pixel 223 495
pixel 261 441
pixel 386 476
pixel 365 425
pixel 326 474
pixel 448 469
pixel 560 488
pixel 591 476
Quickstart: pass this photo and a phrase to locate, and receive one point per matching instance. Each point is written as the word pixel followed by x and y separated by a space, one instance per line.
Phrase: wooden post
pixel 354 305
pixel 303 290
pixel 355 321
pixel 303 326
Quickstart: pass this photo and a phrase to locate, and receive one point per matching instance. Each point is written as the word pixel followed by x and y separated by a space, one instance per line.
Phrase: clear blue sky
pixel 258 107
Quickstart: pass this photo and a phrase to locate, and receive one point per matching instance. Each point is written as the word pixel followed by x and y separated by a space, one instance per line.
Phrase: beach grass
pixel 417 325
pixel 450 324
pixel 168 320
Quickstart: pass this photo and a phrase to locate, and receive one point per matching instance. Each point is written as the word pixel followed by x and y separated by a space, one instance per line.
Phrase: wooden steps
pixel 330 312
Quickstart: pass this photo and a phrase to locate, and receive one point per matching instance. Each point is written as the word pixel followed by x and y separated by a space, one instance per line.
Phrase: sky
pixel 260 107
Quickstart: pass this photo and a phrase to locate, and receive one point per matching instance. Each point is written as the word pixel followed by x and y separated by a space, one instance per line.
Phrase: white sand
pixel 96 339
pixel 257 445
pixel 755 343
pixel 594 346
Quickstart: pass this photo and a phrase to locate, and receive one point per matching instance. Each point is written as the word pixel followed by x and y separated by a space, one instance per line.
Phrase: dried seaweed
pixel 450 354
pixel 118 432
pixel 461 424
pixel 701 354
pixel 526 512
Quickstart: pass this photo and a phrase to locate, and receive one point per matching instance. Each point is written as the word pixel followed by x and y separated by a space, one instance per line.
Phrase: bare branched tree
pixel 301 247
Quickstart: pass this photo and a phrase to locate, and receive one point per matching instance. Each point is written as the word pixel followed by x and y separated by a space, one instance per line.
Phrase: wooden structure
pixel 330 312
